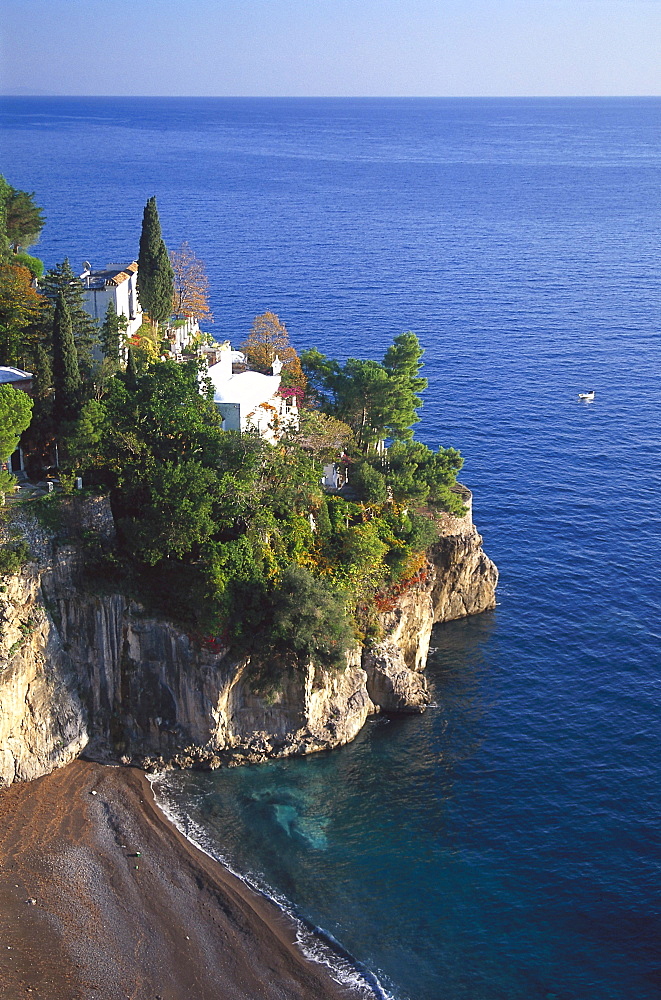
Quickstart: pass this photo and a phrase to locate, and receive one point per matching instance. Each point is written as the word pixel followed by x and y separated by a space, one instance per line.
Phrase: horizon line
pixel 349 97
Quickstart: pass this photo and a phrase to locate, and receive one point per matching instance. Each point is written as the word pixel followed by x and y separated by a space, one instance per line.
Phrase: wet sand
pixel 171 924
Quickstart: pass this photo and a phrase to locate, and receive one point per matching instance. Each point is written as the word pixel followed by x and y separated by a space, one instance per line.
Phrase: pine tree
pixel 4 239
pixel 62 280
pixel 23 219
pixel 402 363
pixel 376 400
pixel 66 373
pixel 363 400
pixel 111 333
pixel 155 276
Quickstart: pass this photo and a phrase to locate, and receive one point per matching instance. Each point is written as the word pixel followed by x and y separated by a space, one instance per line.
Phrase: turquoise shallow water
pixel 507 843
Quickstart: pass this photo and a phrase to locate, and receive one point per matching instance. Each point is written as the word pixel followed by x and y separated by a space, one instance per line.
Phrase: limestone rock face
pixel 42 720
pixel 462 578
pixel 457 580
pixel 96 665
pixel 390 683
pixel 76 666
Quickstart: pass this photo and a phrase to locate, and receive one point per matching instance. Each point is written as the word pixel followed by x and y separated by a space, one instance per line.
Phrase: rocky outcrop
pixel 43 724
pixel 457 580
pixel 76 666
pixel 390 684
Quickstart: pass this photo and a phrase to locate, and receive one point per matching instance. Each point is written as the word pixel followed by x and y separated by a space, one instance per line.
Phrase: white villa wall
pixel 124 297
pixel 249 400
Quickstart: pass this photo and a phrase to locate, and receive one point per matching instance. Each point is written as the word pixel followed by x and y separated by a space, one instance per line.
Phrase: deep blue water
pixel 506 845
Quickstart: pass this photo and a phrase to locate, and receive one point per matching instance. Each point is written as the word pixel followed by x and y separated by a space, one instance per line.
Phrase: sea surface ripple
pixel 505 845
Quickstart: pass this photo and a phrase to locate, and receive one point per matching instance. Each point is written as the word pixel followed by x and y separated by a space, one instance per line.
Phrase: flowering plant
pixel 288 391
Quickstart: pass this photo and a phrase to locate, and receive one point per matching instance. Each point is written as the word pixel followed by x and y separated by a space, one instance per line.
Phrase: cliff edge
pixel 80 668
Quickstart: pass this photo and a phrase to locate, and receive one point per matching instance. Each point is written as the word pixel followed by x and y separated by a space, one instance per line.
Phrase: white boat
pixel 587 397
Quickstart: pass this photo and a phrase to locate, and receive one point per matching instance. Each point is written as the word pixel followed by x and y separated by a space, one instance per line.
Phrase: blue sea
pixel 505 845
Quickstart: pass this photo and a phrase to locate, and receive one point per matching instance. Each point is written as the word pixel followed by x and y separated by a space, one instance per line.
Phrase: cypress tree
pixel 66 374
pixel 161 308
pixel 62 280
pixel 131 374
pixel 40 434
pixel 111 331
pixel 155 275
pixel 42 382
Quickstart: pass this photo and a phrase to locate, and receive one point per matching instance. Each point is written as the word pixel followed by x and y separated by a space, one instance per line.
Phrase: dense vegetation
pixel 233 537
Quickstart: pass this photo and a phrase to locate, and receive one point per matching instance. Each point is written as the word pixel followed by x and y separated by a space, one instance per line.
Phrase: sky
pixel 286 48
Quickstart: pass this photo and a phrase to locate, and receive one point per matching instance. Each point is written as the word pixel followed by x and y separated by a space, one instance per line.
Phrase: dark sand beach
pixel 82 917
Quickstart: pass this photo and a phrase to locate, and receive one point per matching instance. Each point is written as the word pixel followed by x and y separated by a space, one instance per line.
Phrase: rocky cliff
pixel 76 667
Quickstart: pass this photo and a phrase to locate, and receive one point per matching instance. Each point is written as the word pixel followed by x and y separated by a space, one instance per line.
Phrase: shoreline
pixel 101 895
pixel 314 944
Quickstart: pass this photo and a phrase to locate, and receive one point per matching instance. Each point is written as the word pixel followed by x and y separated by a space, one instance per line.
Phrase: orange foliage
pixel 416 574
pixel 20 305
pixel 268 338
pixel 191 285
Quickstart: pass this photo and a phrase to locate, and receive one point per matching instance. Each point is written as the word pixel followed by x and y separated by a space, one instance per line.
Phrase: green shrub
pixel 48 511
pixel 34 265
pixel 13 556
pixel 324 526
pixel 369 483
pixel 8 483
pixel 423 533
pixel 68 482
pixel 301 620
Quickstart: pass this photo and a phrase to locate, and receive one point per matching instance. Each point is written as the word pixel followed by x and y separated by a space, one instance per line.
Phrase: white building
pixel 117 284
pixel 334 477
pixel 249 400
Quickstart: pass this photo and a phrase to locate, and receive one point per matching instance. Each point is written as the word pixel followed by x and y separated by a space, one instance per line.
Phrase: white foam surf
pixel 314 943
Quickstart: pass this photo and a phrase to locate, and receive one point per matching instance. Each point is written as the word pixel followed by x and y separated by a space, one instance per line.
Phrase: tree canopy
pixel 191 285
pixel 15 416
pixel 376 399
pixel 267 340
pixel 21 220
